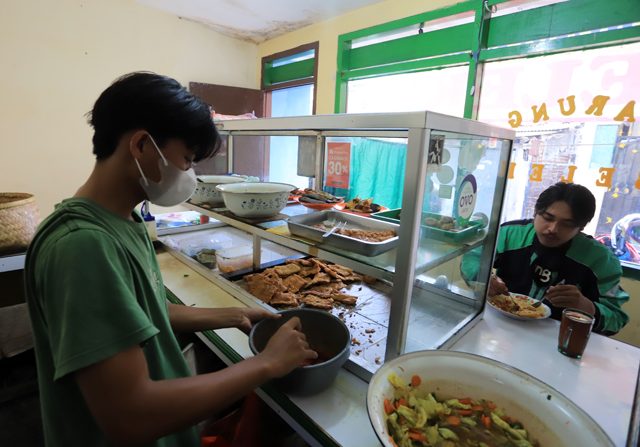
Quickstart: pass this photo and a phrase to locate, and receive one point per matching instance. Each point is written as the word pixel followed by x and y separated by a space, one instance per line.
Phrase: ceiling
pixel 257 20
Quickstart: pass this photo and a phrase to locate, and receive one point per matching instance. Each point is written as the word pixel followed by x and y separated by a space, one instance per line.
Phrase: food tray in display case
pixel 313 226
pixel 432 231
pixel 452 234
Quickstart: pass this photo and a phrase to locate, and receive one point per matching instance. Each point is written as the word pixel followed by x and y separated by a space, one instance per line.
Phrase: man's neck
pixel 110 192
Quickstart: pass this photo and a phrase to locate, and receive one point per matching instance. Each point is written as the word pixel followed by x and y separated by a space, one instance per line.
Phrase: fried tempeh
pixel 320 278
pixel 262 286
pixel 317 302
pixel 287 269
pixel 283 299
pixel 343 298
pixel 294 283
pixel 300 262
pixel 323 288
pixel 309 270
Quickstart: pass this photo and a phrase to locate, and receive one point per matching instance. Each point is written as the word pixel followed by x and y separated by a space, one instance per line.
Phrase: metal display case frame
pixel 400 271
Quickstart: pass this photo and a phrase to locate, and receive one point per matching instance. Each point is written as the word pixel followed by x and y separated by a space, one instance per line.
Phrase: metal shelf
pixel 381 266
pixel 12 262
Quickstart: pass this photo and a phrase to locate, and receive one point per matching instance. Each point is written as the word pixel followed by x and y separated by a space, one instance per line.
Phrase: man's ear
pixel 137 140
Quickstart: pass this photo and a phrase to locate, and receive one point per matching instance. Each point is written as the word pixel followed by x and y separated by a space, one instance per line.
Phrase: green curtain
pixel 377 171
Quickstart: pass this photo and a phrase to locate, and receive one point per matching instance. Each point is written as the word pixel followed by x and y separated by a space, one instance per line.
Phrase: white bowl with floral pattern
pixel 206 192
pixel 259 199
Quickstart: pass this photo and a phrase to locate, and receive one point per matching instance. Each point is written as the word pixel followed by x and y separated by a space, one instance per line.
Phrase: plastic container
pixel 234 258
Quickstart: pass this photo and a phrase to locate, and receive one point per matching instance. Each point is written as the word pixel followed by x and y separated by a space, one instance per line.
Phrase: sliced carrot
pixel 486 421
pixel 453 420
pixel 415 380
pixel 393 443
pixel 464 412
pixel 417 436
pixel 477 408
pixel 465 400
pixel 401 401
pixel 491 406
pixel 388 406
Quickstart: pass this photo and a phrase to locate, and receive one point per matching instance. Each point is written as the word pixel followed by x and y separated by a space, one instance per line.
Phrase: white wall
pixel 56 57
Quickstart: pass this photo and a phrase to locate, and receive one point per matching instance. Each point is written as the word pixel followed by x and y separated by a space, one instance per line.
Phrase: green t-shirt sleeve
pixel 89 301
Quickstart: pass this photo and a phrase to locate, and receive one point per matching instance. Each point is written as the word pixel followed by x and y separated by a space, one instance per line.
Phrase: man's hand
pixel 248 316
pixel 287 349
pixel 193 319
pixel 497 286
pixel 568 295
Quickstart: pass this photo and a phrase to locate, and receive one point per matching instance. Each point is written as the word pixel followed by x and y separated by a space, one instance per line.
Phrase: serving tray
pixel 303 226
pixel 453 235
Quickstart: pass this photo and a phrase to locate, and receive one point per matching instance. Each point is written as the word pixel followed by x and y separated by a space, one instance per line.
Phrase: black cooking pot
pixel 326 334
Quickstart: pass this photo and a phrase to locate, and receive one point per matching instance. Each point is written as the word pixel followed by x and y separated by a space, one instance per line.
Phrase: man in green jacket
pixel 548 257
pixel 109 368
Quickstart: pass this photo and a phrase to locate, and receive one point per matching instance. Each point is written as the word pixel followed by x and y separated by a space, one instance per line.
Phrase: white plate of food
pixel 449 397
pixel 519 307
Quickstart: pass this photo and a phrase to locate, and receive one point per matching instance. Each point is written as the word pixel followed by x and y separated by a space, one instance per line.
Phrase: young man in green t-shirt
pixel 109 368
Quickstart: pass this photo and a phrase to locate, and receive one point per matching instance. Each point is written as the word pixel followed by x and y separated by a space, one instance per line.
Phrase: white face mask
pixel 175 185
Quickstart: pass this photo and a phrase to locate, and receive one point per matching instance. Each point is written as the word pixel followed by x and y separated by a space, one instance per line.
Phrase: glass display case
pixel 435 181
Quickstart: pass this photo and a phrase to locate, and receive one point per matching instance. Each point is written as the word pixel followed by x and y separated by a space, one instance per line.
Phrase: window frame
pixel 565 26
pixel 291 74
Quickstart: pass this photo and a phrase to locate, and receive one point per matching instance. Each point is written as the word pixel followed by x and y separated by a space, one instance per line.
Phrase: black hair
pixel 578 197
pixel 158 104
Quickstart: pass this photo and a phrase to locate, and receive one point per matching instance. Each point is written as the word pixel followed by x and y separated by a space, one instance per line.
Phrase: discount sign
pixel 338 164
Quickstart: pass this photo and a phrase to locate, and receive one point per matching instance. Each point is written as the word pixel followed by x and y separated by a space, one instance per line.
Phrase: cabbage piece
pixel 421 416
pixel 397 432
pixel 518 434
pixel 431 406
pixel 396 381
pixel 447 434
pixel 469 421
pixel 408 414
pixel 521 443
pixel 455 403
pixel 432 434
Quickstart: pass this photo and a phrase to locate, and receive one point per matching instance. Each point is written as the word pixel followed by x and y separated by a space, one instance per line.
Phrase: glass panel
pixel 573 114
pixel 218 164
pixel 283 151
pixel 275 158
pixel 366 168
pixel 294 58
pixel 293 101
pixel 440 91
pixel 462 190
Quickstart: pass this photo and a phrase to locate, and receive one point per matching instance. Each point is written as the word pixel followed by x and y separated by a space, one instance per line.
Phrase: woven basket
pixel 18 221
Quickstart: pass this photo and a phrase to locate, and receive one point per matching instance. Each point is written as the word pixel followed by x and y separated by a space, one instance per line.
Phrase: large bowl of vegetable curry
pixel 446 399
